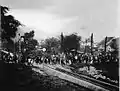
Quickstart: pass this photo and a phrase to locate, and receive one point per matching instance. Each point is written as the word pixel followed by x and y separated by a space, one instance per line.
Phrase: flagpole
pixel 0 39
pixel 62 39
pixel 105 44
pixel 85 45
pixel 92 43
pixel 0 42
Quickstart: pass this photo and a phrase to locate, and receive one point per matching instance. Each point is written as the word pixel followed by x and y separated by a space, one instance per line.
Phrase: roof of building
pixel 103 41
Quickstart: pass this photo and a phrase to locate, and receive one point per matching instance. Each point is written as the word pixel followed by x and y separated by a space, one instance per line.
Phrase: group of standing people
pixel 71 58
pixel 64 58
pixel 91 59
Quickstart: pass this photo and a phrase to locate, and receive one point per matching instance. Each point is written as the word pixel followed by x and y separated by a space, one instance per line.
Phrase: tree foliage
pixel 9 27
pixel 71 42
pixel 51 44
pixel 29 44
pixel 29 35
pixel 115 45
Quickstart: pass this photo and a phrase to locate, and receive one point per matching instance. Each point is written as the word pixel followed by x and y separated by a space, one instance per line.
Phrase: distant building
pixel 111 44
pixel 86 47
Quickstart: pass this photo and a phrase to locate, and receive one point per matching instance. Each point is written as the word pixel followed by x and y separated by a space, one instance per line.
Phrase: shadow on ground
pixel 18 77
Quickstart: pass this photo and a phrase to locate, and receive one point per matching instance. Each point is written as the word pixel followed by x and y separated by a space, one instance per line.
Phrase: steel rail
pixel 89 79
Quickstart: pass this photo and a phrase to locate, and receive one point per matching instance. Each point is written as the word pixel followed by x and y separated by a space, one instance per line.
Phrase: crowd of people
pixel 63 58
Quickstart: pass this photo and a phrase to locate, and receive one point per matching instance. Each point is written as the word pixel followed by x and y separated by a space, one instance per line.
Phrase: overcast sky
pixel 50 17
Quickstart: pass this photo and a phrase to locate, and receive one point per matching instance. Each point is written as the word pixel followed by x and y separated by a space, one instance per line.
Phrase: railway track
pixel 89 79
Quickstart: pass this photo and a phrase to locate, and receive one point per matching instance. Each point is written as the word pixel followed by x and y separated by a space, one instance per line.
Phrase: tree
pixel 115 45
pixel 29 44
pixel 9 27
pixel 71 42
pixel 29 35
pixel 51 44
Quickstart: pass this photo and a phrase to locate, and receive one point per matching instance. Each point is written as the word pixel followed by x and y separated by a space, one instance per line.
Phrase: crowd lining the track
pixel 62 58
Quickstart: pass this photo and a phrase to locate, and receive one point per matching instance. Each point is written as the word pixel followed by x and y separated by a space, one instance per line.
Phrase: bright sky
pixel 51 17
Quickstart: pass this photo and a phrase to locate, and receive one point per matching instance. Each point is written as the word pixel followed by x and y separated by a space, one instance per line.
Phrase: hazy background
pixel 51 17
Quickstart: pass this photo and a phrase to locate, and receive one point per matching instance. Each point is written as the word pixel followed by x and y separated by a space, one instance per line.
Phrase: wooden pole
pixel 62 39
pixel 85 45
pixel 92 43
pixel 105 43
pixel 19 41
pixel 0 44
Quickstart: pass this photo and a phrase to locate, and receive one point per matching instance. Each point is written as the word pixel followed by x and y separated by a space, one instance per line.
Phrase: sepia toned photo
pixel 59 45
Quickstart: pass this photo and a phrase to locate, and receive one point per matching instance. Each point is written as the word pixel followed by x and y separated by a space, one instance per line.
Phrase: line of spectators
pixel 63 58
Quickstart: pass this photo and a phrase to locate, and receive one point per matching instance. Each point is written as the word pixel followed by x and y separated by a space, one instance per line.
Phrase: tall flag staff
pixel 105 44
pixel 62 44
pixel 86 41
pixel 0 41
pixel 92 43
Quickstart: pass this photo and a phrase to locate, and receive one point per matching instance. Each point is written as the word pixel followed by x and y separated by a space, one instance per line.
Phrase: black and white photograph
pixel 59 45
